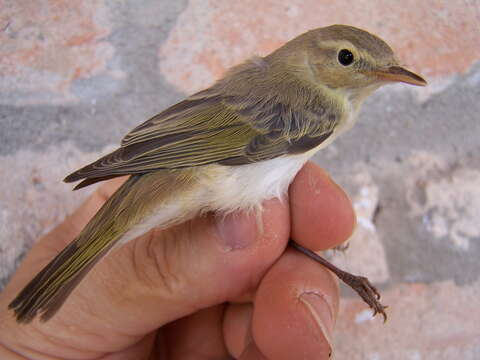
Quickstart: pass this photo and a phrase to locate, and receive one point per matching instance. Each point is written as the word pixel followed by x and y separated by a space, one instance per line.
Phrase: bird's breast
pixel 244 187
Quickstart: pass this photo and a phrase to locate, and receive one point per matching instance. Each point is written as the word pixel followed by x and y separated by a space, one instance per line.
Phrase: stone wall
pixel 77 75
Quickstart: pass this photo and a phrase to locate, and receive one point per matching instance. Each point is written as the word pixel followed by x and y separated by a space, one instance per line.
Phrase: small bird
pixel 224 149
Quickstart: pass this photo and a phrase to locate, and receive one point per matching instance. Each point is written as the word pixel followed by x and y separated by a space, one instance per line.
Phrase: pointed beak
pixel 399 74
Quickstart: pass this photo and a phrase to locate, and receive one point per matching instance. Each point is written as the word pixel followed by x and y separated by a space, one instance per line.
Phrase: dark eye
pixel 345 57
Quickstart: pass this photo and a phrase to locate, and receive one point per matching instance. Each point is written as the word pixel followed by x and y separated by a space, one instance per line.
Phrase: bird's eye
pixel 345 57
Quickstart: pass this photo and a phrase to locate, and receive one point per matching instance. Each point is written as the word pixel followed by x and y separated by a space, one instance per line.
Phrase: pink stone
pixel 46 45
pixel 435 38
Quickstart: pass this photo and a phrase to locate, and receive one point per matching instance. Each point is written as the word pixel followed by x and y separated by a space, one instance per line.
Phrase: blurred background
pixel 75 76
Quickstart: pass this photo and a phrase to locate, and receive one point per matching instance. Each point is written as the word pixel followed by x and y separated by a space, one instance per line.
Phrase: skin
pixel 205 289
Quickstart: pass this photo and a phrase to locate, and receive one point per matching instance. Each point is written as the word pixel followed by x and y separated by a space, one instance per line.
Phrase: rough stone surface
pixel 435 321
pixel 40 200
pixel 212 35
pixel 76 75
pixel 365 244
pixel 47 45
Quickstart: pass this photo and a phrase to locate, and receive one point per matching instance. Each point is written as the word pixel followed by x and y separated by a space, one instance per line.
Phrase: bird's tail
pixel 46 293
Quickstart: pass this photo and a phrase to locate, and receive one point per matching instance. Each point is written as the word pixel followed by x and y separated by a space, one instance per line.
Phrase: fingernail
pixel 236 231
pixel 322 313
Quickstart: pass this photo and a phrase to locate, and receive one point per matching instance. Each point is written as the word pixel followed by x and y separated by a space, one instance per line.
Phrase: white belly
pixel 245 187
pixel 225 189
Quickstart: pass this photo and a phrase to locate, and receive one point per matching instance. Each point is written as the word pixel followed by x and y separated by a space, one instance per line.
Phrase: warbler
pixel 224 149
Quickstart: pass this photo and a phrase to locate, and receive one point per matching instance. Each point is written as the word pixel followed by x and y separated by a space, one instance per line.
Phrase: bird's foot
pixel 369 293
pixel 360 284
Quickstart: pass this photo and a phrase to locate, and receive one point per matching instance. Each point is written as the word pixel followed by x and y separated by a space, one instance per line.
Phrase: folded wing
pixel 209 128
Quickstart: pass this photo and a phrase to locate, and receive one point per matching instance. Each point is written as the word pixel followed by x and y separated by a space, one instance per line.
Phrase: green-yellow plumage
pixel 225 148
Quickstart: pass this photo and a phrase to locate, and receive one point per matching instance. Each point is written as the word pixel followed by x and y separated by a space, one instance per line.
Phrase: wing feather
pixel 205 129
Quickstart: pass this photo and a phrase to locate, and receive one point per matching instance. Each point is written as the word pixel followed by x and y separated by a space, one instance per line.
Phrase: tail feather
pixel 46 293
pixel 135 199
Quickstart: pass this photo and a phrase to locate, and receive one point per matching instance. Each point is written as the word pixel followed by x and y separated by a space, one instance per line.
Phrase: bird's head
pixel 342 57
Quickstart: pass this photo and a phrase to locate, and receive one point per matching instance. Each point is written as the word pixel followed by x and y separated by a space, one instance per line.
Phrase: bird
pixel 226 148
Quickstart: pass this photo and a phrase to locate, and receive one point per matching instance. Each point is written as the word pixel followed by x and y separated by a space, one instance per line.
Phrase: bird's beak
pixel 399 74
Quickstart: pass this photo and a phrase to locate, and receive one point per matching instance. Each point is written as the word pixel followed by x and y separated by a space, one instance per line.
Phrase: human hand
pixel 207 289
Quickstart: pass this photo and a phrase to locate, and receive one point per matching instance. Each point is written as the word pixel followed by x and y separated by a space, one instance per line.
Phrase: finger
pixel 198 336
pixel 140 350
pixel 293 294
pixel 295 310
pixel 252 352
pixel 236 327
pixel 321 213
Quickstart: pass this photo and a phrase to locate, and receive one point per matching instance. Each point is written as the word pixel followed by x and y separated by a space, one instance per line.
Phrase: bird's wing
pixel 208 128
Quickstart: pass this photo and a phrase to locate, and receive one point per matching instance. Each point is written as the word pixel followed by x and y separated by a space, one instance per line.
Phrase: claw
pixel 360 284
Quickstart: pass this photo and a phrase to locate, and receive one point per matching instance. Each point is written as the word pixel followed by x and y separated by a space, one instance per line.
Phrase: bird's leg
pixel 360 284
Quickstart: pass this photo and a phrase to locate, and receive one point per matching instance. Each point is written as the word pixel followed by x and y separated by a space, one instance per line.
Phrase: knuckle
pixel 157 262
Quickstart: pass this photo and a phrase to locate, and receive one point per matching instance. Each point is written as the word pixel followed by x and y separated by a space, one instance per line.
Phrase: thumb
pixel 165 275
pixel 168 274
